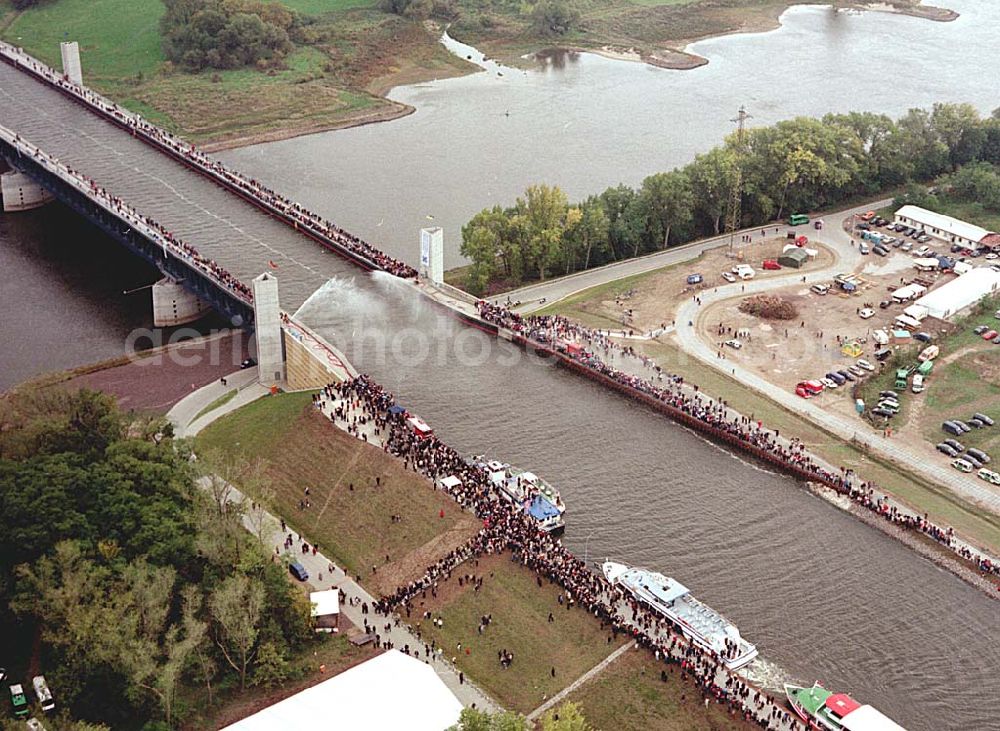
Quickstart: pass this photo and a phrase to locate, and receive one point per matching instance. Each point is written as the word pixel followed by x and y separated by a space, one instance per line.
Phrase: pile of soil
pixel 769 307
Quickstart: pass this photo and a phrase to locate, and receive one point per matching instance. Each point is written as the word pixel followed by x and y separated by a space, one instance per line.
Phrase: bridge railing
pixel 121 210
pixel 303 220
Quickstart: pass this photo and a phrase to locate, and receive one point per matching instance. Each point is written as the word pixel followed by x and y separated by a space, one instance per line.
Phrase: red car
pixel 989 335
pixel 808 389
pixel 771 264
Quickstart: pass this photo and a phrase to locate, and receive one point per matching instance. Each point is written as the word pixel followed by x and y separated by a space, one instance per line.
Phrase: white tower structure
pixel 71 62
pixel 267 330
pixel 432 254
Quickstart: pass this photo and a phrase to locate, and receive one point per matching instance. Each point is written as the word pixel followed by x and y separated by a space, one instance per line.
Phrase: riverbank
pixel 343 80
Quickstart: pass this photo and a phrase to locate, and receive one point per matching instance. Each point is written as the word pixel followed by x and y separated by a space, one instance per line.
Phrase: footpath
pixel 358 604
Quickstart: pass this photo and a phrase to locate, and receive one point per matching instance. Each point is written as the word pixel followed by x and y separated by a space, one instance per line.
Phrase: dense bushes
pixel 800 164
pixel 134 583
pixel 226 34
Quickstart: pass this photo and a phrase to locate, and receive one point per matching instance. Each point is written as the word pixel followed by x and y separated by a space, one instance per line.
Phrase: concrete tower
pixel 267 330
pixel 432 254
pixel 71 62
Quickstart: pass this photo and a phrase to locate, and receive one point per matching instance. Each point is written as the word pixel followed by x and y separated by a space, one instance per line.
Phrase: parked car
pixel 771 265
pixel 922 251
pixel 885 304
pixel 866 313
pixel 860 373
pixel 298 571
pixel 888 394
pixel 923 239
pixel 734 344
pixel 829 382
pixel 980 329
pixel 248 363
pixel 862 363
pixel 955 444
pixel 881 411
pixel 962 465
pixel 836 377
pixel 43 694
pixel 989 475
pixel 729 277
pixel 989 335
pixel 880 250
pixel 972 460
pixel 917 385
pixel 975 423
pixel 961 425
pixel 864 249
pixel 905 246
pixel 980 455
pixel 952 428
pixel 983 418
pixel 946 450
pixel 695 279
pixel 847 374
pixel 822 289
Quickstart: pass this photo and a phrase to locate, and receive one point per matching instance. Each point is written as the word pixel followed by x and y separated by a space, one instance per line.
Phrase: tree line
pixel 129 586
pixel 227 34
pixel 802 164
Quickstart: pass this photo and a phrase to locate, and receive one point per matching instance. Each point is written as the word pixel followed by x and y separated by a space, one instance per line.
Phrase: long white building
pixel 948 229
pixel 961 292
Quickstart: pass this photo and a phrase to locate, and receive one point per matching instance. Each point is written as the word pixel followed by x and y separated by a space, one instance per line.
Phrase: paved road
pixel 847 428
pixel 557 289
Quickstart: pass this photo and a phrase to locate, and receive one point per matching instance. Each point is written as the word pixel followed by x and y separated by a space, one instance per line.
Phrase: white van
pixel 918 383
pixel 744 271
pixel 43 693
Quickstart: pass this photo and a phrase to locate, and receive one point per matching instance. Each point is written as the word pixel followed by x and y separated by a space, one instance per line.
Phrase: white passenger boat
pixel 705 627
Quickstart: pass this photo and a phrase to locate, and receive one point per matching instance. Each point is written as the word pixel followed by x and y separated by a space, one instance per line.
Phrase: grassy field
pixel 939 502
pixel 631 696
pixel 350 518
pixel 229 704
pixel 572 644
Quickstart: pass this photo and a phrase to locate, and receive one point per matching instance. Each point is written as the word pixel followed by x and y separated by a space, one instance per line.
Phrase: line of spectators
pixel 152 230
pixel 363 407
pixel 579 343
pixel 297 214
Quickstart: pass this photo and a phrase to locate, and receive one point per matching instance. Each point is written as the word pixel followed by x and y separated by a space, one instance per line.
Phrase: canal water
pixel 824 596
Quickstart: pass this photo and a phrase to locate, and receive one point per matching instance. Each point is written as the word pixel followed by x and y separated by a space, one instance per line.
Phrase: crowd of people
pixel 299 216
pixel 152 230
pixel 365 407
pixel 670 392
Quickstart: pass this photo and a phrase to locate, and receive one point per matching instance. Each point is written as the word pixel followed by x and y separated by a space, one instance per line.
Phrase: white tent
pixel 325 609
pixel 390 691
pixel 961 292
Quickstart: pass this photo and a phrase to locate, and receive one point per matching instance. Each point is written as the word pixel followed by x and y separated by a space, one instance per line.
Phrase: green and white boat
pixel 825 710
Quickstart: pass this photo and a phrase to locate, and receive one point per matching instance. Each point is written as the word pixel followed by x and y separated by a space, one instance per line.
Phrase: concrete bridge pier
pixel 267 330
pixel 18 192
pixel 174 305
pixel 71 61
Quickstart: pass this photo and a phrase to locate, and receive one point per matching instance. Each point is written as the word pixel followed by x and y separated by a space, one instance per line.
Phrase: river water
pixel 824 596
pixel 585 122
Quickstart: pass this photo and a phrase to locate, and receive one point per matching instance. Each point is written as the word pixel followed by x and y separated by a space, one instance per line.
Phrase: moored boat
pixel 701 624
pixel 825 710
pixel 538 498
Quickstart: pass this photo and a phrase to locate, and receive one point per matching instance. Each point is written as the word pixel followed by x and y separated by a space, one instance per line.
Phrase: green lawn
pixel 350 518
pixel 319 7
pixel 572 644
pixel 631 696
pixel 118 38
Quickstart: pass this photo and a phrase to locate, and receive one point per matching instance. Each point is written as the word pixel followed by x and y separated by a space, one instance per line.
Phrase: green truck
pixel 925 368
pixel 902 376
pixel 19 701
